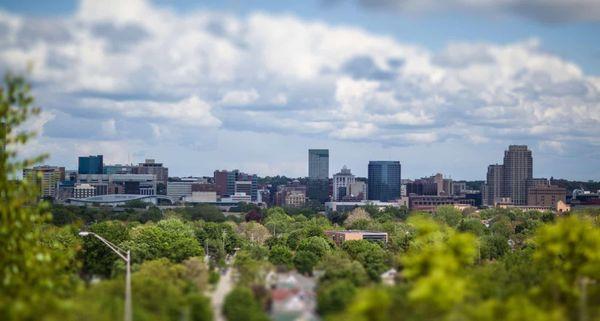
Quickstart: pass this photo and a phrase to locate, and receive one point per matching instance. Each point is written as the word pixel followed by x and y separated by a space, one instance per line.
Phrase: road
pixel 218 296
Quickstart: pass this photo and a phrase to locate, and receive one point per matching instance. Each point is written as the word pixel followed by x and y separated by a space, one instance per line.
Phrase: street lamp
pixel 125 255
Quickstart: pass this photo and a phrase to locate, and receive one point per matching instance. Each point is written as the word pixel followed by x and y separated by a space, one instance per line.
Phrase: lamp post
pixel 125 255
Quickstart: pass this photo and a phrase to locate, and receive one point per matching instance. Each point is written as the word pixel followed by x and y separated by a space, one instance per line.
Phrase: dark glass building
pixel 90 164
pixel 384 180
pixel 318 175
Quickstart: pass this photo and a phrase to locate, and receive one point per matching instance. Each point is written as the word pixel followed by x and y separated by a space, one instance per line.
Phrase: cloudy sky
pixel 442 86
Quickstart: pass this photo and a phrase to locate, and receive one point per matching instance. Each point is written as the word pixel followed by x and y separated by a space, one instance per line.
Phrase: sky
pixel 441 86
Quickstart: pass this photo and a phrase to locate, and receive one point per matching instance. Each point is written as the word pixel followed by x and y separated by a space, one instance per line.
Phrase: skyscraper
pixel 318 175
pixel 318 163
pixel 511 179
pixel 493 188
pixel 90 164
pixel 384 180
pixel 341 183
pixel 518 169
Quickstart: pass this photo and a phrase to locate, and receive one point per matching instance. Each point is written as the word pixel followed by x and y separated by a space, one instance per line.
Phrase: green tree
pixel 337 266
pixel 98 259
pixel 449 215
pixel 314 244
pixel 334 296
pixel 170 239
pixel 369 254
pixel 305 261
pixel 570 249
pixel 240 305
pixel 30 270
pixel 493 246
pixel 200 309
pixel 435 266
pixel 281 256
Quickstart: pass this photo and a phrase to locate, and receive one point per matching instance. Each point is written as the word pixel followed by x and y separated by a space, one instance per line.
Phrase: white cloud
pixel 339 82
pixel 239 97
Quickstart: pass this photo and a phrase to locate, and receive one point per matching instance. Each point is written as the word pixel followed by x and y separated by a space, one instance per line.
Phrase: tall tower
pixel 494 187
pixel 518 170
pixel 318 175
pixel 384 180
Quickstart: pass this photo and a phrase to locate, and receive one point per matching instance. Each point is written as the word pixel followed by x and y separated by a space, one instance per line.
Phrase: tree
pixel 170 239
pixel 305 261
pixel 254 232
pixel 471 225
pixel 358 214
pixel 334 296
pixel 493 246
pixel 434 266
pixel 30 270
pixel 196 272
pixel 277 221
pixel 254 215
pixel 250 270
pixel 206 212
pixel 240 305
pixel 153 214
pixel 200 309
pixel 570 250
pixel 449 215
pixel 281 256
pixel 98 259
pixel 369 254
pixel 337 266
pixel 316 245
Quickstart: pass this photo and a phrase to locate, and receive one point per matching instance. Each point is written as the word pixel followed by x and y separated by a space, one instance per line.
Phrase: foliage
pixel 170 239
pixel 98 259
pixel 358 214
pixel 369 254
pixel 30 270
pixel 281 256
pixel 449 215
pixel 305 261
pixel 240 305
pixel 334 296
pixel 254 232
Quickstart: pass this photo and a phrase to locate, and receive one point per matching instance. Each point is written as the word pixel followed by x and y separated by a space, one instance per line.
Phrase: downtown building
pixel 235 183
pixel 509 182
pixel 341 183
pixel 318 175
pixel 47 178
pixel 384 180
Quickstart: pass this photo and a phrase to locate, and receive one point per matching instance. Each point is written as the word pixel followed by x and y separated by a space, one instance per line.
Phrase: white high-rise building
pixel 341 183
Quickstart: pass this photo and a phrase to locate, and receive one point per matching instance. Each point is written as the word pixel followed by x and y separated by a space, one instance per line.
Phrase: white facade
pixel 342 206
pixel 358 188
pixel 202 197
pixel 179 190
pixel 237 198
pixel 341 183
pixel 83 191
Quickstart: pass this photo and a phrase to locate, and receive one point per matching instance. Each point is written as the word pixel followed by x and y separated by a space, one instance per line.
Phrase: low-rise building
pixel 201 197
pixel 340 237
pixel 546 195
pixel 349 206
pixel 429 203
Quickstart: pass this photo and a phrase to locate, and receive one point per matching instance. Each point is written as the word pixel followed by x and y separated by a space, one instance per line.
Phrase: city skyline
pixel 200 86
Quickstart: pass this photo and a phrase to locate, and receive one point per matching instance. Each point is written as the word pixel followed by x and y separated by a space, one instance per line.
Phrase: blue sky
pixel 441 86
